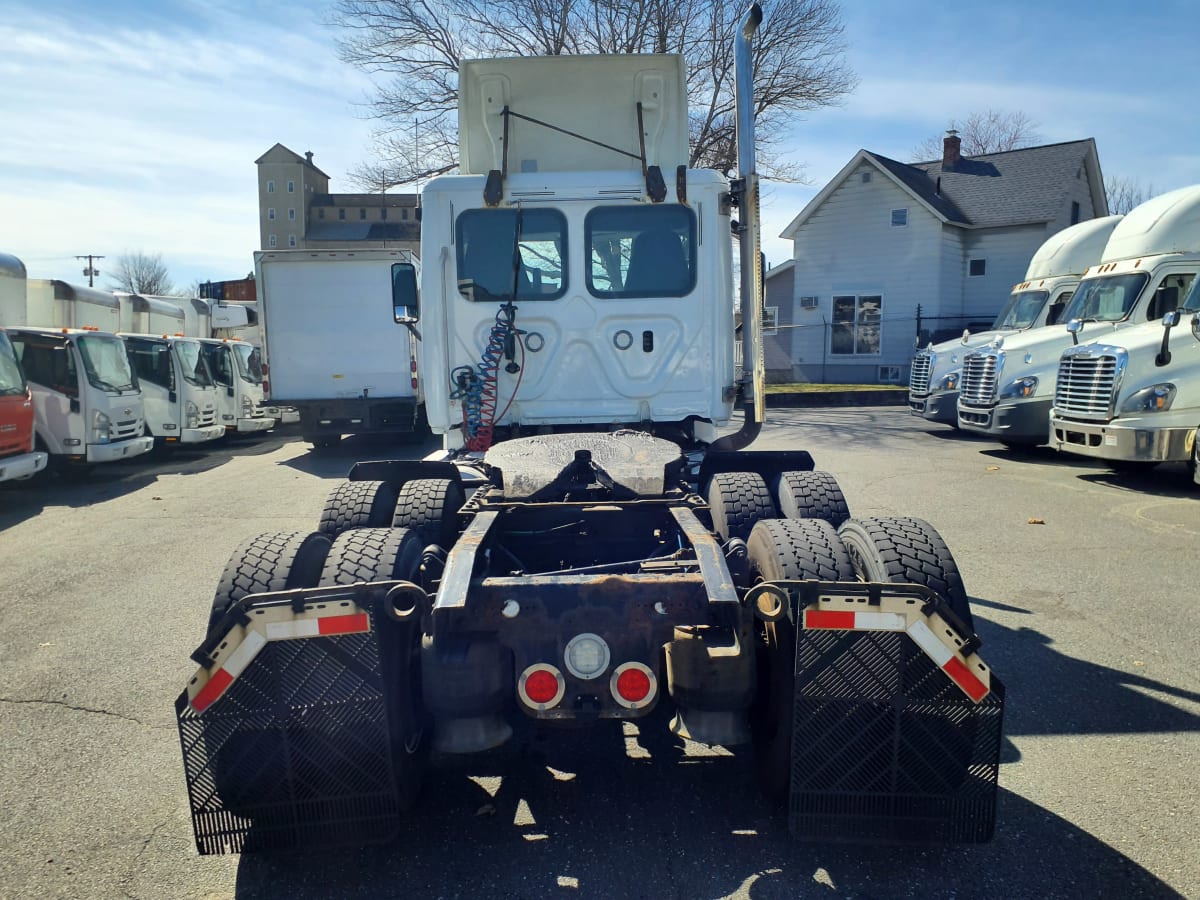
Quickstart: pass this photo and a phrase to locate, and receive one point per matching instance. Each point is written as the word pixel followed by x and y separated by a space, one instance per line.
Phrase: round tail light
pixel 541 686
pixel 633 685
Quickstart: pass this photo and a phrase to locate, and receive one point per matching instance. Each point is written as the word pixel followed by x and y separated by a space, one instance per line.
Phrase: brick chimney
pixel 950 149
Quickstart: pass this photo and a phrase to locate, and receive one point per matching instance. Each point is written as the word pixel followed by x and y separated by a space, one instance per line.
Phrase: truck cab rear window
pixel 641 251
pixel 485 240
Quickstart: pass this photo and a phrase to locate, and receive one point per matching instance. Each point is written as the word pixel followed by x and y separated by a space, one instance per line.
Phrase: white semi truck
pixel 332 344
pixel 1148 265
pixel 1133 397
pixel 595 540
pixel 88 407
pixel 1053 273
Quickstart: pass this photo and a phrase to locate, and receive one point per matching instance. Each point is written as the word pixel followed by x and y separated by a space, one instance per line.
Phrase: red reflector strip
pixel 965 679
pixel 822 618
pixel 216 686
pixel 352 624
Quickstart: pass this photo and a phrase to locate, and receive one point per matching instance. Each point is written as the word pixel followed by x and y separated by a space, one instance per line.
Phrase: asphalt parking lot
pixel 1082 580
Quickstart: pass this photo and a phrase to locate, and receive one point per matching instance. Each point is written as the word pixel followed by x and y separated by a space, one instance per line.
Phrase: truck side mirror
pixel 406 307
pixel 1169 321
pixel 1074 327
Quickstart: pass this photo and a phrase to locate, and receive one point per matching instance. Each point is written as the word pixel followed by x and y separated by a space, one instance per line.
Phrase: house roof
pixel 1016 187
pixel 372 200
pixel 363 231
pixel 280 153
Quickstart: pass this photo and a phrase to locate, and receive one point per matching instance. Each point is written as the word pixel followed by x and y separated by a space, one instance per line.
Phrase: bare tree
pixel 986 132
pixel 141 273
pixel 1125 193
pixel 417 46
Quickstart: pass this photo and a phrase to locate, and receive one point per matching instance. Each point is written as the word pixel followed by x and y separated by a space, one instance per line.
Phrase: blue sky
pixel 134 126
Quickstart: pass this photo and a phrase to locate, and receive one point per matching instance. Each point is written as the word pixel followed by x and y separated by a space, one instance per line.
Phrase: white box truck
pixel 1149 263
pixel 181 396
pixel 236 367
pixel 1133 398
pixel 88 407
pixel 1039 300
pixel 332 346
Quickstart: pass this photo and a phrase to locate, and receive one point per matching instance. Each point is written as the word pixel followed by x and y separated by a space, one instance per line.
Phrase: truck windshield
pixel 1107 299
pixel 484 241
pixel 216 357
pixel 191 360
pixel 1021 310
pixel 249 363
pixel 641 251
pixel 106 362
pixel 11 380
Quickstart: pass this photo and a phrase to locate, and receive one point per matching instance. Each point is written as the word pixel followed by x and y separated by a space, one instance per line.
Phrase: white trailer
pixel 1148 265
pixel 1051 279
pixel 88 407
pixel 332 346
pixel 1133 397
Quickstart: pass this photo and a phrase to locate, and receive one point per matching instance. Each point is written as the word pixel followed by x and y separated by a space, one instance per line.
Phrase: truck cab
pixel 236 367
pixel 1148 265
pixel 18 459
pixel 181 396
pixel 1133 398
pixel 87 402
pixel 1039 300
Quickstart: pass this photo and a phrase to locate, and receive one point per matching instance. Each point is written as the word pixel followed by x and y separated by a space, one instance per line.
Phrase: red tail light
pixel 541 686
pixel 633 685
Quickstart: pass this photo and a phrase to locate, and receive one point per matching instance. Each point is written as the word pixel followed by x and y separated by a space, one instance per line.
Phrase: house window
pixel 271 213
pixel 899 218
pixel 320 213
pixel 1074 212
pixel 889 375
pixel 866 177
pixel 292 213
pixel 856 324
pixel 291 240
pixel 383 213
pixel 291 187
pixel 977 267
pixel 770 320
pixel 341 214
pixel 362 213
pixel 808 302
pixel 271 241
pixel 270 187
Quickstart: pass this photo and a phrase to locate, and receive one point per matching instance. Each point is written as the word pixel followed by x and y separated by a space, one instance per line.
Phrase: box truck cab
pixel 18 459
pixel 1053 273
pixel 1149 263
pixel 236 367
pixel 87 403
pixel 1133 398
pixel 181 397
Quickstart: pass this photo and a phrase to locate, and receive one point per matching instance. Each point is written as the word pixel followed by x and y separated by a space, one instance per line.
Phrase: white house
pixel 887 241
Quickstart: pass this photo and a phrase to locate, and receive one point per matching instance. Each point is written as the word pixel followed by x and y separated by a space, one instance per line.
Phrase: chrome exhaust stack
pixel 745 191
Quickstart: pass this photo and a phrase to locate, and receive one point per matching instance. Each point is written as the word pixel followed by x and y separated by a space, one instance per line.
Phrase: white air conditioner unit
pixel 808 302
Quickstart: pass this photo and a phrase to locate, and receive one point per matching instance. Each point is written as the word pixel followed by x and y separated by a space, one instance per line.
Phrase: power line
pixel 91 271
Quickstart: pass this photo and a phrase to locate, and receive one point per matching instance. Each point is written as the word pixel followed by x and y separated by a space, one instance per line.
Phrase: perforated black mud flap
pixel 886 748
pixel 285 735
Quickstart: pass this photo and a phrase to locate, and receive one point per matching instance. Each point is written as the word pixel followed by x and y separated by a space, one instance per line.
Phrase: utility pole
pixel 91 271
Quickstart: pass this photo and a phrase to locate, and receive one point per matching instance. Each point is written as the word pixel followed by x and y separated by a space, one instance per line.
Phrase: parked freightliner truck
pixel 1148 265
pixel 1133 397
pixel 1053 273
pixel 331 342
pixel 596 539
pixel 87 405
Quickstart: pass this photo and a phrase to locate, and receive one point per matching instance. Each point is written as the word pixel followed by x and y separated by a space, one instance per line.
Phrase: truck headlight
pixel 101 427
pixel 949 382
pixel 1156 398
pixel 192 415
pixel 1021 388
pixel 247 406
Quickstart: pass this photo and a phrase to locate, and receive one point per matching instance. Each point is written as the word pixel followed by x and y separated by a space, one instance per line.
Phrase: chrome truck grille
pixel 1087 381
pixel 918 376
pixel 978 385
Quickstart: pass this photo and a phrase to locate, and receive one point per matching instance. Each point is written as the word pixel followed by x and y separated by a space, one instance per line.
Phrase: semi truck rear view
pixel 595 540
pixel 331 340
